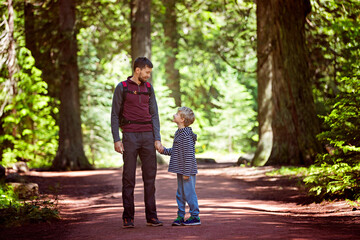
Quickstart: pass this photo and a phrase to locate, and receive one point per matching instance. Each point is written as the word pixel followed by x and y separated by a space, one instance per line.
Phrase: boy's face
pixel 177 118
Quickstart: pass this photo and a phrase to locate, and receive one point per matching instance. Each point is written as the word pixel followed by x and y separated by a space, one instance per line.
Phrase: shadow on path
pixel 232 206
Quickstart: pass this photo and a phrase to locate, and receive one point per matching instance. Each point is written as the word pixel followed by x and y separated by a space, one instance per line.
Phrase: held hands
pixel 159 147
pixel 119 147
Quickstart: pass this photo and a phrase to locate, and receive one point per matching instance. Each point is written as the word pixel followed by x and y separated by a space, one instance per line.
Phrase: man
pixel 135 110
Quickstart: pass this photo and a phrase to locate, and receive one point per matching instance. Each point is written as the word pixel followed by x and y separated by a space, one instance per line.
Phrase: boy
pixel 183 163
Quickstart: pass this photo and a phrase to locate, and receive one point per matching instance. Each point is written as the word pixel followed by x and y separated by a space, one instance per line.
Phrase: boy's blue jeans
pixel 186 194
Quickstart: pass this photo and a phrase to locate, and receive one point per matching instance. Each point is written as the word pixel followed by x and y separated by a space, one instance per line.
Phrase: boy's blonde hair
pixel 187 114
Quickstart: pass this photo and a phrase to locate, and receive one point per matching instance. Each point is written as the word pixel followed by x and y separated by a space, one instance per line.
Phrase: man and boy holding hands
pixel 135 110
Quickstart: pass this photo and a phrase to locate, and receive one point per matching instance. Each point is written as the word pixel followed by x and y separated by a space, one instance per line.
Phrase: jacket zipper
pixel 139 94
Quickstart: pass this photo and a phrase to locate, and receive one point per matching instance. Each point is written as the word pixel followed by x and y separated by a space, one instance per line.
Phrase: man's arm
pixel 115 112
pixel 154 115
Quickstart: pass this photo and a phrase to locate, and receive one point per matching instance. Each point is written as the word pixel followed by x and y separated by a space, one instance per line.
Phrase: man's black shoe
pixel 154 222
pixel 128 223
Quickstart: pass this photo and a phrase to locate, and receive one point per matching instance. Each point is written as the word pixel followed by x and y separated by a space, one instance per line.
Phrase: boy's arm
pixel 167 151
pixel 188 148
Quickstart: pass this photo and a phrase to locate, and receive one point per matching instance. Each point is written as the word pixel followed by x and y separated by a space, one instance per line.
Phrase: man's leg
pixel 147 155
pixel 129 173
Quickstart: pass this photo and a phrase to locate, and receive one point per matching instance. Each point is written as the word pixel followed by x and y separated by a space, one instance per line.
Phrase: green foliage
pixel 28 124
pixel 338 170
pixel 333 40
pixel 235 121
pixel 289 171
pixel 344 122
pixel 217 62
pixel 334 180
pixel 104 62
pixel 107 25
pixel 15 212
pixel 327 181
pixel 98 79
pixel 7 197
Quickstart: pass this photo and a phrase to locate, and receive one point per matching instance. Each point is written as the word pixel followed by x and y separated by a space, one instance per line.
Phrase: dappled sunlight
pixel 237 171
pixel 231 202
pixel 73 173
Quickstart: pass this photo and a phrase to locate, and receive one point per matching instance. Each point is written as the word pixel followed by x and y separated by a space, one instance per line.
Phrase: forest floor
pixel 235 203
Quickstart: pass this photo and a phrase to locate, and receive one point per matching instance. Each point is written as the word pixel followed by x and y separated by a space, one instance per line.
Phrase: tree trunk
pixel 30 33
pixel 9 87
pixel 171 50
pixel 70 154
pixel 42 39
pixel 287 119
pixel 140 29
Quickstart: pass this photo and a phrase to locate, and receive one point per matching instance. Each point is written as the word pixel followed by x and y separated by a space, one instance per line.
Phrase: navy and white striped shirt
pixel 182 160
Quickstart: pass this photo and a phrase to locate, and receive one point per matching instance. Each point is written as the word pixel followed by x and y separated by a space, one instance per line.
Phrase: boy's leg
pixel 190 195
pixel 129 171
pixel 147 155
pixel 180 197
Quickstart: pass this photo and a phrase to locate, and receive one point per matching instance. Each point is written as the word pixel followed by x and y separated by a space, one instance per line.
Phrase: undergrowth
pixel 16 212
pixel 336 173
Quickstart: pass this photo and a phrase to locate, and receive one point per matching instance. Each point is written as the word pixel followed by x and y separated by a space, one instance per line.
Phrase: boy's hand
pixel 186 177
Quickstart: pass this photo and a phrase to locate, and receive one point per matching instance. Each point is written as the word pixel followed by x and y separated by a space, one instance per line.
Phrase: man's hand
pixel 119 147
pixel 159 147
pixel 186 177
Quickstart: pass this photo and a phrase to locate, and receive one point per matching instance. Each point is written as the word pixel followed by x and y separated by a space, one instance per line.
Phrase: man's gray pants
pixel 142 144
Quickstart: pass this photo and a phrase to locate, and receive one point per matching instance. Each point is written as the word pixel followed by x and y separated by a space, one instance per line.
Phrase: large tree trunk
pixel 140 29
pixel 9 87
pixel 41 38
pixel 30 32
pixel 70 154
pixel 287 120
pixel 171 44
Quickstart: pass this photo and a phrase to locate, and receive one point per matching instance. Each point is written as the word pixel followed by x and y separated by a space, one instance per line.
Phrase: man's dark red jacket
pixel 137 107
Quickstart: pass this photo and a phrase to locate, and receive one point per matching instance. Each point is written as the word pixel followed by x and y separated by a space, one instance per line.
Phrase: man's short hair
pixel 187 114
pixel 142 62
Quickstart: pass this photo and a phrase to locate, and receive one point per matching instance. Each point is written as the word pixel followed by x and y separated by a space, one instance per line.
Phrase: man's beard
pixel 141 79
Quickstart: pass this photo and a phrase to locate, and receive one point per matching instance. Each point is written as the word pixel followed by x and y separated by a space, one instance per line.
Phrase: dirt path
pixel 235 203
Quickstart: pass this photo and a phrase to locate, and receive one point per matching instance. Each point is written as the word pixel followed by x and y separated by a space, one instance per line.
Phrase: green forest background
pixel 216 58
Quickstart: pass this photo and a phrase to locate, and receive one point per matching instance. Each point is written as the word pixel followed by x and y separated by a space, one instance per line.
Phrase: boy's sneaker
pixel 154 222
pixel 178 221
pixel 192 221
pixel 128 223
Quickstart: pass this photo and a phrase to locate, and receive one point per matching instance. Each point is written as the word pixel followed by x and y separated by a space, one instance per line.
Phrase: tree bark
pixel 10 86
pixel 41 20
pixel 30 33
pixel 42 39
pixel 287 119
pixel 70 154
pixel 140 29
pixel 171 50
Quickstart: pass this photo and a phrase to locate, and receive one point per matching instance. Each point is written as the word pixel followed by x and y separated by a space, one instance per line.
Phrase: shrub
pixel 16 212
pixel 337 173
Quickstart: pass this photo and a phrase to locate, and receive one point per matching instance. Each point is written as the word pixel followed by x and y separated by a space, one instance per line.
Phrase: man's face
pixel 145 74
